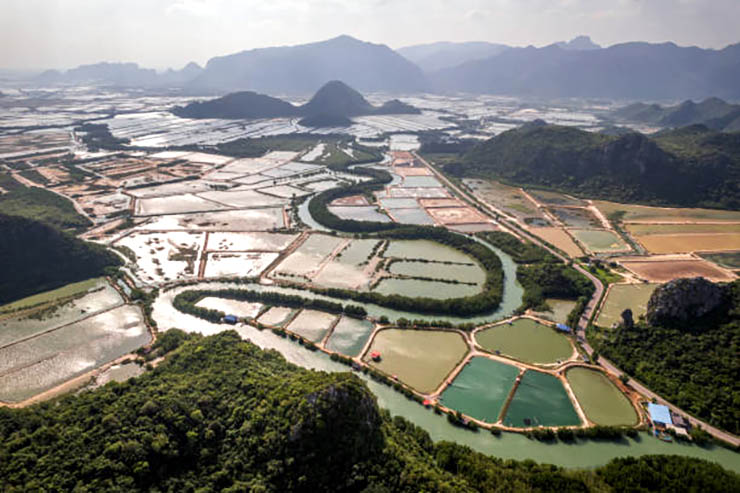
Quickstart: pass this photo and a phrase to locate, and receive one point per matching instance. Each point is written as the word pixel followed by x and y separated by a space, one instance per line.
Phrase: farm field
pixel 559 239
pixel 647 214
pixel 480 389
pixel 349 336
pixel 641 229
pixel 526 340
pixel 55 294
pixel 509 199
pixel 657 270
pixel 575 217
pixel 599 241
pixel 623 296
pixel 728 260
pixel 420 358
pixel 600 399
pixel 686 243
pixel 312 324
pixel 540 400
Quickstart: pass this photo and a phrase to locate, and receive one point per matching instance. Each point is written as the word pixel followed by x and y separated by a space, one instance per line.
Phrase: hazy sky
pixel 163 33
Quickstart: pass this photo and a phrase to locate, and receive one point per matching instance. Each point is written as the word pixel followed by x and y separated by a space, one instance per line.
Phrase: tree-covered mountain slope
pixel 219 414
pixel 692 167
pixel 36 257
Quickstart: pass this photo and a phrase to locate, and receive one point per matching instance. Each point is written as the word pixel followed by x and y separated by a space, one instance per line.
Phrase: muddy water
pixel 540 400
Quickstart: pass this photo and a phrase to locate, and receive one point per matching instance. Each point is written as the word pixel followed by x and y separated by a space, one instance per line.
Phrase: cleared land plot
pixel 241 264
pixel 422 193
pixel 276 316
pixel 661 229
pixel 428 203
pixel 399 203
pixel 420 181
pixel 467 273
pixel 419 358
pixel 231 307
pixel 648 214
pixel 425 249
pixel 244 220
pixel 600 241
pixel 526 340
pixel 667 270
pixel 243 198
pixel 729 260
pixel 560 309
pixel 271 242
pixel 20 325
pixel 165 256
pixel 600 399
pixel 480 389
pixel 575 218
pixel 560 239
pixel 623 296
pixel 540 400
pixel 176 204
pixel 305 261
pixel 349 336
pixel 351 200
pixel 43 362
pixel 416 216
pixel 359 213
pixel 456 215
pixel 685 243
pixel 425 289
pixel 509 199
pixel 312 324
pixel 554 198
pixel 179 188
pixel 284 191
pixel 55 294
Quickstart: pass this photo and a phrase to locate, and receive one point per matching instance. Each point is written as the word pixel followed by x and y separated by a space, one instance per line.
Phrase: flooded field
pixel 623 296
pixel 241 264
pixel 462 272
pixel 47 360
pixel 419 358
pixel 349 336
pixel 575 218
pixel 526 340
pixel 176 204
pixel 559 310
pixel 312 324
pixel 243 220
pixel 231 307
pixel 18 326
pixel 305 261
pixel 359 213
pixel 276 316
pixel 427 250
pixel 55 294
pixel 271 242
pixel 600 241
pixel 425 289
pixel 600 399
pixel 165 256
pixel 540 400
pixel 480 389
pixel 559 239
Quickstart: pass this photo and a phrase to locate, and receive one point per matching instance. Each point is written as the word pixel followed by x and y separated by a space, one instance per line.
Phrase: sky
pixel 39 34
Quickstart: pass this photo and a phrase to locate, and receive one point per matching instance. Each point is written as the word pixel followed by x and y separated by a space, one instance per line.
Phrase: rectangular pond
pixel 480 389
pixel 349 336
pixel 312 324
pixel 540 400
pixel 526 340
pixel 600 399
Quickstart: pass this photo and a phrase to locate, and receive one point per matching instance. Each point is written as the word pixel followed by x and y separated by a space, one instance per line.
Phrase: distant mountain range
pixel 332 105
pixel 577 68
pixel 713 113
pixel 122 75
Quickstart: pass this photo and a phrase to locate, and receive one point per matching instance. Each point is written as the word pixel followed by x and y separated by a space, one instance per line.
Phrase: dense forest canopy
pixel 692 166
pixel 36 257
pixel 219 414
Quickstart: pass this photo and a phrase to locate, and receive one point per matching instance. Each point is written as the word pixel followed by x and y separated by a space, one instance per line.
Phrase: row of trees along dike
pixel 186 302
pixel 486 301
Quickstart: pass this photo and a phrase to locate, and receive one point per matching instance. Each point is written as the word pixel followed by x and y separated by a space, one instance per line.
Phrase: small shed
pixel 660 414
pixel 562 328
pixel 230 319
pixel 375 355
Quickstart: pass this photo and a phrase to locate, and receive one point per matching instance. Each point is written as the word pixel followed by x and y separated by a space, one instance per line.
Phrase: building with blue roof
pixel 562 328
pixel 660 414
pixel 230 319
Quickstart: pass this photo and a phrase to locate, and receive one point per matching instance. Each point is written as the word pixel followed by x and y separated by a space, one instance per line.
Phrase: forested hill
pixel 691 167
pixel 36 257
pixel 219 414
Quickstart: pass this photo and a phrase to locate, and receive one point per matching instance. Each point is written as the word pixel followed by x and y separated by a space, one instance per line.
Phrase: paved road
pixel 590 308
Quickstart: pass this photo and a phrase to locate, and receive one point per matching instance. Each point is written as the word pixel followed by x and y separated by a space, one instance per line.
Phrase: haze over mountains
pixel 578 68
